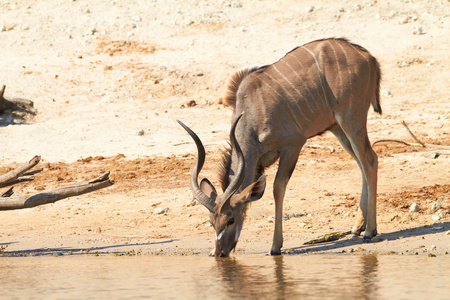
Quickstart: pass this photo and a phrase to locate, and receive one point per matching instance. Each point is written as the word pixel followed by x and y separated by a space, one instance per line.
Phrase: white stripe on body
pixel 338 65
pixel 301 112
pixel 313 80
pixel 304 83
pixel 348 63
pixel 321 75
pixel 300 127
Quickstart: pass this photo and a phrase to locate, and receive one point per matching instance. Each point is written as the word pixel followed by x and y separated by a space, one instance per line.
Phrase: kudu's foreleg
pixel 288 160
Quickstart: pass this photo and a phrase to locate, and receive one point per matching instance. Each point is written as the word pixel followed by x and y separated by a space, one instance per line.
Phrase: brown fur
pixel 232 86
pixel 234 81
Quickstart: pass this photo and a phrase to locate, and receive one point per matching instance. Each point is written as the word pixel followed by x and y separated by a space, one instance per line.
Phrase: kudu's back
pixel 311 87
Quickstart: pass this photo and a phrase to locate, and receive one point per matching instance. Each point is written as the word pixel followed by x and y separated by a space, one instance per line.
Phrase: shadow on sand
pixel 79 251
pixel 405 233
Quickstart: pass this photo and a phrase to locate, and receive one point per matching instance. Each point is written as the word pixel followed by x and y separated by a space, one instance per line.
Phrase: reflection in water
pixel 369 265
pixel 241 278
pixel 254 277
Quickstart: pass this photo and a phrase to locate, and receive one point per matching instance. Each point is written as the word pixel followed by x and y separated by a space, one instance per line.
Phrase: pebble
pixel 414 207
pixel 161 210
pixel 440 213
pixel 375 239
pixel 447 233
pixel 236 4
pixel 191 202
pixel 435 218
pixel 271 219
pixel 436 205
pixel 310 9
pixel 418 30
pixel 386 92
pixel 434 155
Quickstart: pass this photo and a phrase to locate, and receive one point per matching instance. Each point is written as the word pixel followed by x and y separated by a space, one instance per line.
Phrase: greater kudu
pixel 323 85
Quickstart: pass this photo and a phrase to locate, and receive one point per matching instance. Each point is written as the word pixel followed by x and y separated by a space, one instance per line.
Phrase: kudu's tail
pixel 376 99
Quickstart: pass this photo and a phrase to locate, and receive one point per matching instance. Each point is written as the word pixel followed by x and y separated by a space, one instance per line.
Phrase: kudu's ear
pixel 254 191
pixel 207 188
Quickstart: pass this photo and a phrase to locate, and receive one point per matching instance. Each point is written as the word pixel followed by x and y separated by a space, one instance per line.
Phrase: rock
pixel 440 213
pixel 302 224
pixel 271 219
pixel 191 202
pixel 436 218
pixel 310 9
pixel 447 233
pixel 236 4
pixel 414 207
pixel 375 239
pixel 161 210
pixel 296 215
pixel 434 155
pixel 436 205
pixel 418 30
pixel 405 20
pixel 386 92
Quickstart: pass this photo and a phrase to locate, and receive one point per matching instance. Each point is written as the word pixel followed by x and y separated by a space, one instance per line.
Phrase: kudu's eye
pixel 230 221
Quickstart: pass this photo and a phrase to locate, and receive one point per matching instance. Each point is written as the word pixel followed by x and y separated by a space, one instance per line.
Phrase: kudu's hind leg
pixel 288 160
pixel 361 217
pixel 357 136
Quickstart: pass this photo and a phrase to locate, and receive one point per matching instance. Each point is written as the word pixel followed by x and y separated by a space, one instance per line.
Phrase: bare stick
pixel 393 141
pixel 8 192
pixel 15 103
pixel 54 195
pixel 412 134
pixel 2 92
pixel 328 237
pixel 10 177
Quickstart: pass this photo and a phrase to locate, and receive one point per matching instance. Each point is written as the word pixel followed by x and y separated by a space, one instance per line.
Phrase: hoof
pixel 275 253
pixel 369 235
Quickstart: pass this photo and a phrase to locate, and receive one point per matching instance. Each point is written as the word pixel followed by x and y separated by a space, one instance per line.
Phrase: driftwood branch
pixel 16 103
pixel 21 173
pixel 334 236
pixel 51 196
pixel 412 134
pixel 420 143
pixel 7 193
pixel 394 141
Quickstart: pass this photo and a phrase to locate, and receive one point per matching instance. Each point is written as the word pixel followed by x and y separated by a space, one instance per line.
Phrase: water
pixel 249 277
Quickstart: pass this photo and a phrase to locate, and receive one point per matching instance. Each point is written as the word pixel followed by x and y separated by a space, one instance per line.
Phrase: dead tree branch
pixel 51 196
pixel 20 174
pixel 16 103
pixel 419 142
pixel 412 134
pixel 8 192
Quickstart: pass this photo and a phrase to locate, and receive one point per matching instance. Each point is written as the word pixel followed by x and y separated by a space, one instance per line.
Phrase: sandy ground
pixel 109 79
